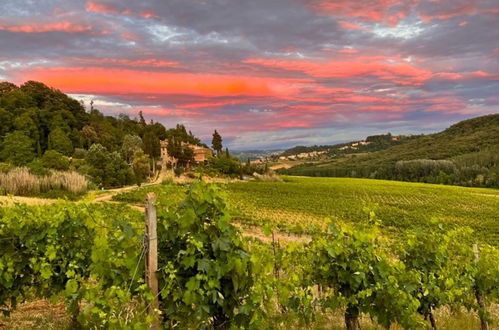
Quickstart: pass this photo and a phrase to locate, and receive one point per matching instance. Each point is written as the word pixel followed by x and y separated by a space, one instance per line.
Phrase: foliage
pixel 361 277
pixel 216 142
pixel 210 277
pixel 107 168
pixel 35 118
pixel 225 165
pixel 471 145
pixel 60 142
pixel 77 252
pixel 442 277
pixel 205 270
pixel 131 144
pixel 17 149
pixel 55 160
pixel 140 167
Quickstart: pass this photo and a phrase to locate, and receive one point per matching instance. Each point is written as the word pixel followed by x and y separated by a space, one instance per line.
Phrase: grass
pixel 299 205
pixel 165 191
pixel 42 314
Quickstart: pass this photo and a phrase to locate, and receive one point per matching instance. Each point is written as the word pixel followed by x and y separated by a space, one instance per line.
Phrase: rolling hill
pixel 466 153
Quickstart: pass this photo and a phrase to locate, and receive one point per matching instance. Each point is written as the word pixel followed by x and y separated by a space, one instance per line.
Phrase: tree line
pixel 44 129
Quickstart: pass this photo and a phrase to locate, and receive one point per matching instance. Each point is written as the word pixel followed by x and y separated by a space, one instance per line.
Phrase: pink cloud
pixel 123 62
pixel 348 51
pixel 105 8
pixel 399 72
pixel 64 26
pixel 381 11
pixel 352 26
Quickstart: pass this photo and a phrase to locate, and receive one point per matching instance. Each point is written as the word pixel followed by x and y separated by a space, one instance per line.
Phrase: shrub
pixel 5 167
pixel 55 160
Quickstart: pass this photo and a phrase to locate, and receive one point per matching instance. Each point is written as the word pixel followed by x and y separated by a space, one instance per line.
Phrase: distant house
pixel 201 154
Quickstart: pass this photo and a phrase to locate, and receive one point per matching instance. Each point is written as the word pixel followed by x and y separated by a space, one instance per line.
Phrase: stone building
pixel 201 154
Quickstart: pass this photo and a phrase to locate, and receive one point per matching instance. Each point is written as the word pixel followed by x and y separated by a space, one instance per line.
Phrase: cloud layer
pixel 266 74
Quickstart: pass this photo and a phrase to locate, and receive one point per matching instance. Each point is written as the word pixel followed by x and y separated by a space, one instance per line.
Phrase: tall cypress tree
pixel 216 142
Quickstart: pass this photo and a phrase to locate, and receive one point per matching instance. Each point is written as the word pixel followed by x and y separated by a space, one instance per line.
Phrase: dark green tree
pixel 17 149
pixel 216 142
pixel 59 141
pixel 6 122
pixel 140 166
pixel 131 144
pixel 55 160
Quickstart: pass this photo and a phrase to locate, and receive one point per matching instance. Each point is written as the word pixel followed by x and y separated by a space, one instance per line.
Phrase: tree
pixel 90 135
pixel 6 122
pixel 117 172
pixel 152 147
pixel 131 144
pixel 6 87
pixel 97 157
pixel 107 168
pixel 216 142
pixel 17 149
pixel 142 121
pixel 55 160
pixel 225 165
pixel 140 166
pixel 59 141
pixel 186 155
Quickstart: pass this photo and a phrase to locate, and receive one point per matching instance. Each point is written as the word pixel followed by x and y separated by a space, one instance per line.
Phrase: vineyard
pixel 377 254
pixel 299 205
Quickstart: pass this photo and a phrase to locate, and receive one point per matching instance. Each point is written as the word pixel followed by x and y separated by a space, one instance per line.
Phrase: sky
pixel 267 74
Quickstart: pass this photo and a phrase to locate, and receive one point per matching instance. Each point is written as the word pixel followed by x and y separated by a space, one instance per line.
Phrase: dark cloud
pixel 266 73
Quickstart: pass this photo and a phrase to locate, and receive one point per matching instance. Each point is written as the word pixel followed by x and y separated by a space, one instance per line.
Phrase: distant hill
pixel 371 143
pixel 255 154
pixel 470 147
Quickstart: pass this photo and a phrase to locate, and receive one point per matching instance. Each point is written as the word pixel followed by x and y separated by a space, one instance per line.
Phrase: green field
pixel 299 205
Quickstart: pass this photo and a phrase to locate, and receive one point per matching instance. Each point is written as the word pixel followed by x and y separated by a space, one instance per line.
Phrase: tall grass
pixel 19 181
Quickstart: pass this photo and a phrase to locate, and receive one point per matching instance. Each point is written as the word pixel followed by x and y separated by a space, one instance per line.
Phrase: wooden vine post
pixel 484 325
pixel 152 257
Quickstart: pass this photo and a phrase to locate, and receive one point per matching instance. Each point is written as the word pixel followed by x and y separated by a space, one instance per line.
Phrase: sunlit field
pixel 299 205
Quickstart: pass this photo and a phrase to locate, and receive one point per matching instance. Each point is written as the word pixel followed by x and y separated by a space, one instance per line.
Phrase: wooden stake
pixel 484 325
pixel 152 257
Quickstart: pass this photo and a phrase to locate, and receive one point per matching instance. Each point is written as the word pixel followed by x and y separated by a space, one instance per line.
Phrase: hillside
pixel 371 143
pixel 43 129
pixel 470 148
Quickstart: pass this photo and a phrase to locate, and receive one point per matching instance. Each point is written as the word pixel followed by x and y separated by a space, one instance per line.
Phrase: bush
pixel 36 167
pixel 226 165
pixel 5 167
pixel 55 160
pixel 79 153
